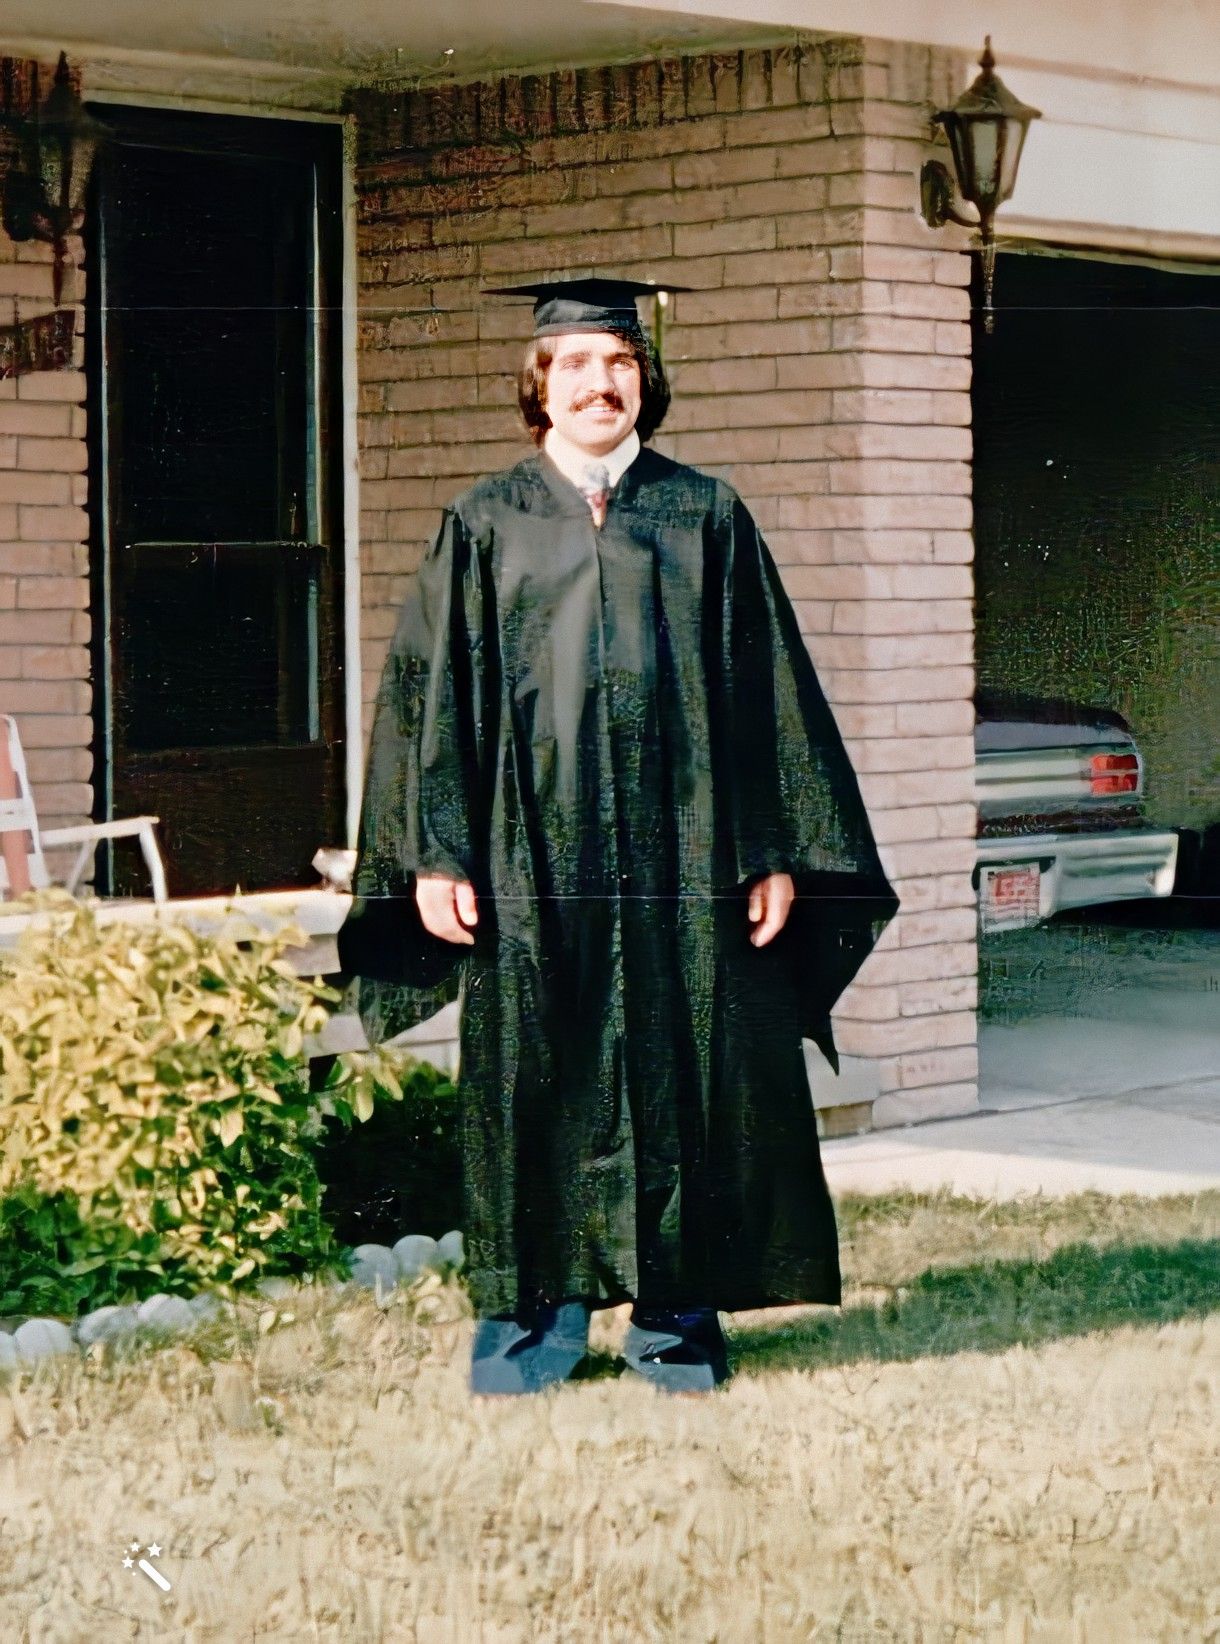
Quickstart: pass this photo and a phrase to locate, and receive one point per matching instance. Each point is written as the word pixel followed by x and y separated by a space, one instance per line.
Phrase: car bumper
pixel 1079 869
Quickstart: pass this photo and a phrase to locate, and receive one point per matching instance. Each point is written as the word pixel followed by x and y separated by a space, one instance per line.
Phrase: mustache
pixel 607 397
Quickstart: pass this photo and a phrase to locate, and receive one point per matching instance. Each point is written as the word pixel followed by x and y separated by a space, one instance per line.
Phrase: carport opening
pixel 1097 518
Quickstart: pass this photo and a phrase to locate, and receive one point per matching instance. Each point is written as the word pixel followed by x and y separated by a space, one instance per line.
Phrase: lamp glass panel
pixel 983 137
pixel 52 168
pixel 963 159
pixel 83 150
pixel 1011 159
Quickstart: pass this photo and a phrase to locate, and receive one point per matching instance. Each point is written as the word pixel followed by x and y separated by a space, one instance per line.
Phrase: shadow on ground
pixel 997 1305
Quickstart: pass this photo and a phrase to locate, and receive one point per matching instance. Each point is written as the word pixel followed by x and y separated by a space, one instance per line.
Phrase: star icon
pixel 135 1547
pixel 154 1551
pixel 129 1563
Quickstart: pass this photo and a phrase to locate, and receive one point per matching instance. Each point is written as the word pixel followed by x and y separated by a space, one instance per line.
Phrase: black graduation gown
pixel 612 734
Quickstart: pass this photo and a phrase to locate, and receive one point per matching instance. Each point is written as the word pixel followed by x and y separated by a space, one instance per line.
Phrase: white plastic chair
pixel 18 816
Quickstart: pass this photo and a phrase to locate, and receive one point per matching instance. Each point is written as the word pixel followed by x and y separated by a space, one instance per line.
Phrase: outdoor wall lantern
pixel 44 194
pixel 986 129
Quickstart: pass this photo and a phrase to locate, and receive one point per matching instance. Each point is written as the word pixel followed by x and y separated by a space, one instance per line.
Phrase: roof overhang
pixel 306 53
pixel 309 52
pixel 1174 41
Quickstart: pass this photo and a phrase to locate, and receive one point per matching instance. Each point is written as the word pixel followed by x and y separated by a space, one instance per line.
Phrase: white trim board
pixel 353 662
pixel 1119 180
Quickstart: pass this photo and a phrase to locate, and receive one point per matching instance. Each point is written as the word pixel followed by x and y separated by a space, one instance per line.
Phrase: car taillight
pixel 1114 773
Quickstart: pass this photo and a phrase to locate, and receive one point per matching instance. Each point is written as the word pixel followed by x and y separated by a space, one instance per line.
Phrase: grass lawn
pixel 1009 1433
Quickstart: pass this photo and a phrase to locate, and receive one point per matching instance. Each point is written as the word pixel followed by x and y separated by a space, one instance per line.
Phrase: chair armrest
pixel 123 829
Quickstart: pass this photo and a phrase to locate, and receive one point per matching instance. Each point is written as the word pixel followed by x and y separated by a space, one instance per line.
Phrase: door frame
pixel 345 456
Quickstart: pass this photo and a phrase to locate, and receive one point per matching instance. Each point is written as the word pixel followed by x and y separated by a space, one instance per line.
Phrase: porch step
pixel 435 1040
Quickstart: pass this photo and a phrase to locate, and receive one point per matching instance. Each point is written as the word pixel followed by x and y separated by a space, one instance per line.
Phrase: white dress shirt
pixel 573 463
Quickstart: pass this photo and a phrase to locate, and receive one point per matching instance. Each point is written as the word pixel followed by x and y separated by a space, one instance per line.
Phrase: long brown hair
pixel 654 387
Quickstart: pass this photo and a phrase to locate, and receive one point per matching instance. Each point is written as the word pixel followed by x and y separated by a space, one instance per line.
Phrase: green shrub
pixel 42 1239
pixel 156 1122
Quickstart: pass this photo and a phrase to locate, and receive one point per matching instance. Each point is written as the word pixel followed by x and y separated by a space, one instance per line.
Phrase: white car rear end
pixel 1059 790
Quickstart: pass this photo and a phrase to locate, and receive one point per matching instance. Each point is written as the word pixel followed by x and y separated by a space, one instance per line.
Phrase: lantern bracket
pixel 937 197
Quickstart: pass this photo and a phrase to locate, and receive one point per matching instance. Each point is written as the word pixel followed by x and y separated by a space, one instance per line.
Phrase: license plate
pixel 1010 897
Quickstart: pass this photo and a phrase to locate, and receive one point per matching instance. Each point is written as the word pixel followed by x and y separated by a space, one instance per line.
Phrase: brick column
pixel 889 606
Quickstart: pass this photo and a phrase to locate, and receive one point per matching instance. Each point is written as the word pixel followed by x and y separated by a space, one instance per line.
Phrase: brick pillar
pixel 889 610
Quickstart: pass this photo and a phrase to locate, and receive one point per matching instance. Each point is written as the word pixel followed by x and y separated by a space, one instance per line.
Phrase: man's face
pixel 593 390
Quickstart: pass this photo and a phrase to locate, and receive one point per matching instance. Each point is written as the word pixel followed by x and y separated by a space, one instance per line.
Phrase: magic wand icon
pixel 153 1574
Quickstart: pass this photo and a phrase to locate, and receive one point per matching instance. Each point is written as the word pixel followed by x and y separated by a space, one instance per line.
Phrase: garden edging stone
pixel 166 1314
pixel 371 1266
pixel 42 1339
pixel 106 1324
pixel 415 1253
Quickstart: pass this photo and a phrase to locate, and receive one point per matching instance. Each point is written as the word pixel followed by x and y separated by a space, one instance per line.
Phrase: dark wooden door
pixel 215 248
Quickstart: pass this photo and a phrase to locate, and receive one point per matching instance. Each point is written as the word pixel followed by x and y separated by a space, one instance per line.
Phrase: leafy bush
pixel 42 1238
pixel 156 1122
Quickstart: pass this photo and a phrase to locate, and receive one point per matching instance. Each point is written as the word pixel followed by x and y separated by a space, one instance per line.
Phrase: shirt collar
pixel 572 462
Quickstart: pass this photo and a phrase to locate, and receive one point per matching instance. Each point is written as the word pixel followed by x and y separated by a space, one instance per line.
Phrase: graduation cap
pixel 585 304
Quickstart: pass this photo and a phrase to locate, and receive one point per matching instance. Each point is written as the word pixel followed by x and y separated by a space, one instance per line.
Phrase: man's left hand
pixel 770 901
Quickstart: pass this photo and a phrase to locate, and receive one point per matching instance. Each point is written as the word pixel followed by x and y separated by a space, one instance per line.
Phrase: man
pixel 606 799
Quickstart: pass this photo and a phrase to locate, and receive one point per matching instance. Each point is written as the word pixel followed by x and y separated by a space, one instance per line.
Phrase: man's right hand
pixel 446 906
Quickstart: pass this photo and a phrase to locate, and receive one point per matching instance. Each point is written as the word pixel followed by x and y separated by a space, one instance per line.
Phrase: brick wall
pixel 822 365
pixel 44 557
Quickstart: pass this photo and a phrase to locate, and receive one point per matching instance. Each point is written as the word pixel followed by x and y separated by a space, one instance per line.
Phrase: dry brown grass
pixel 323 1475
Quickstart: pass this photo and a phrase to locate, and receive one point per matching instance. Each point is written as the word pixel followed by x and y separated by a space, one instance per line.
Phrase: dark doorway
pixel 215 263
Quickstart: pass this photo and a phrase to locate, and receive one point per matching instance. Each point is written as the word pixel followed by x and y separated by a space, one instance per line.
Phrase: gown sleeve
pixel 795 802
pixel 418 811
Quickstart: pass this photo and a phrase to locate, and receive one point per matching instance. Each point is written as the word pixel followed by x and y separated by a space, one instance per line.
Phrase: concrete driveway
pixel 1099 1056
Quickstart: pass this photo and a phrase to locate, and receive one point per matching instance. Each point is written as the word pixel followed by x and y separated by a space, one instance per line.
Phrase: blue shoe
pixel 511 1357
pixel 678 1352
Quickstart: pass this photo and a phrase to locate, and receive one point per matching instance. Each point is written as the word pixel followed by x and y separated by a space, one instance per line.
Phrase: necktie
pixel 595 489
